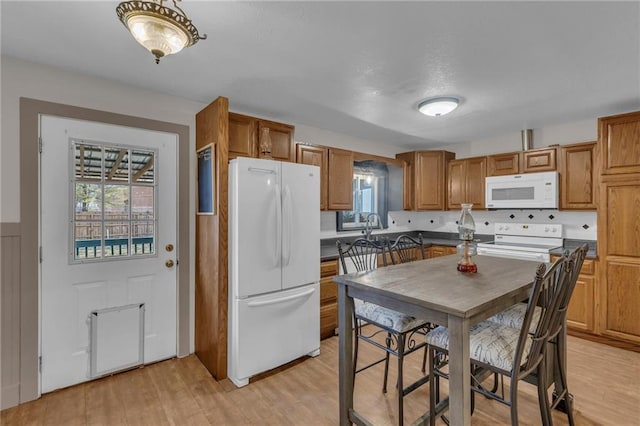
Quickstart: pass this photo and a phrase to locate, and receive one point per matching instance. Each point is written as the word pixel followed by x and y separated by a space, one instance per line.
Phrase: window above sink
pixel 375 186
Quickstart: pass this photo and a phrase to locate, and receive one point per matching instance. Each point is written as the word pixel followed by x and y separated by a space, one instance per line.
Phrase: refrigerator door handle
pixel 288 220
pixel 259 170
pixel 278 252
pixel 280 300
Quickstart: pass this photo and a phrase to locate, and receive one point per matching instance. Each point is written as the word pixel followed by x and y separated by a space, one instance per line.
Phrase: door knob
pixel 168 263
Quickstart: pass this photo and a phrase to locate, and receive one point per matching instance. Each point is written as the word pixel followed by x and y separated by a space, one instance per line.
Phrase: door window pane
pixel 116 202
pixel 142 204
pixel 142 238
pixel 116 241
pixel 88 201
pixel 116 164
pixel 87 240
pixel 142 167
pixel 87 161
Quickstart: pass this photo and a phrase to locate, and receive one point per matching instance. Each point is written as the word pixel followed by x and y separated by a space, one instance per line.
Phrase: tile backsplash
pixel 577 225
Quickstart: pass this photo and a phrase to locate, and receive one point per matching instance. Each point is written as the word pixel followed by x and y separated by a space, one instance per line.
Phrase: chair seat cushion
pixel 388 318
pixel 489 343
pixel 514 317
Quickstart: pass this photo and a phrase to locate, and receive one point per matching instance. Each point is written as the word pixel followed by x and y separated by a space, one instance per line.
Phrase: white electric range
pixel 527 241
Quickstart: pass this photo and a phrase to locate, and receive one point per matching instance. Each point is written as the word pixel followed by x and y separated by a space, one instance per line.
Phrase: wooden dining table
pixel 433 290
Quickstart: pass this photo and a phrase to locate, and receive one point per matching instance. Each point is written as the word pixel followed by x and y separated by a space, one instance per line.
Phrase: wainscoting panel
pixel 10 299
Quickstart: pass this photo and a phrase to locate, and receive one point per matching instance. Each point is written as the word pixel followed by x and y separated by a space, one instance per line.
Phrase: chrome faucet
pixel 368 228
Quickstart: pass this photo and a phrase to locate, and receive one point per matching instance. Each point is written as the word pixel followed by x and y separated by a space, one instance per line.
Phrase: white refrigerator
pixel 274 265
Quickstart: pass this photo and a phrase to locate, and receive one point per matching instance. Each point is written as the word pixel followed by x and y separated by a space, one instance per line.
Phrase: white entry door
pixel 108 236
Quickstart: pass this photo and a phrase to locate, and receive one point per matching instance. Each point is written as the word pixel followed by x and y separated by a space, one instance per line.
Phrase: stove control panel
pixel 529 229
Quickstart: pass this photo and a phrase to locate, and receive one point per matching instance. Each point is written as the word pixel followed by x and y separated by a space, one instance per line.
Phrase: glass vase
pixel 265 143
pixel 466 228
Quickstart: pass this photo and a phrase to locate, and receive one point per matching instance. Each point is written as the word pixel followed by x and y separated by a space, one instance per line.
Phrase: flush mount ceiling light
pixel 159 29
pixel 435 107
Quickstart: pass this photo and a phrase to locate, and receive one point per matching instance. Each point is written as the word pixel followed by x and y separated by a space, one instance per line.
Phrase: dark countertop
pixel 329 250
pixel 592 253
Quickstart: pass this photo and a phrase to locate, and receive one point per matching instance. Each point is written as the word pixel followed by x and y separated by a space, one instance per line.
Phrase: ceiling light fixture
pixel 436 107
pixel 159 29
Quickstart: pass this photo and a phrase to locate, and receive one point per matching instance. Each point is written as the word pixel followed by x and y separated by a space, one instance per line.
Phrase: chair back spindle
pixel 407 249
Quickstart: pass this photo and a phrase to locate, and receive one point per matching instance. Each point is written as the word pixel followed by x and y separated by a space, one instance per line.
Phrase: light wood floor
pixel 604 380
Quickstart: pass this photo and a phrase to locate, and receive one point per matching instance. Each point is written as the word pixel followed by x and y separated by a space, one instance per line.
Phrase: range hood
pixel 527 139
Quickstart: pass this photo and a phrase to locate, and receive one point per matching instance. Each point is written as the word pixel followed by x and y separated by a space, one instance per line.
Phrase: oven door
pixel 514 254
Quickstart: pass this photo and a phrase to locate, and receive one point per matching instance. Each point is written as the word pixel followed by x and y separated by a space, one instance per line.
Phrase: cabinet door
pixel 622 294
pixel 340 182
pixel 315 156
pixel 539 160
pixel 328 299
pixel 476 171
pixel 619 237
pixel 430 179
pixel 281 139
pixel 623 232
pixel 620 137
pixel 580 311
pixel 242 136
pixel 456 184
pixel 578 177
pixel 437 251
pixel 408 179
pixel 503 164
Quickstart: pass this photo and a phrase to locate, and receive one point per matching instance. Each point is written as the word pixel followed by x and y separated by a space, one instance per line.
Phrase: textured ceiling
pixel 360 68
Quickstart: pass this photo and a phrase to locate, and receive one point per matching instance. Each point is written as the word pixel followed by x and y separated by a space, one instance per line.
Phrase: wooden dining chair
pixel 511 352
pixel 402 331
pixel 514 317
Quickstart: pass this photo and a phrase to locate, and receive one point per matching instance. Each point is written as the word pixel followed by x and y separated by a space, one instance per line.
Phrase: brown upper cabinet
pixel 503 164
pixel 246 133
pixel 425 179
pixel 243 136
pixel 620 140
pixel 578 176
pixel 539 160
pixel 316 156
pixel 281 136
pixel 465 182
pixel 339 183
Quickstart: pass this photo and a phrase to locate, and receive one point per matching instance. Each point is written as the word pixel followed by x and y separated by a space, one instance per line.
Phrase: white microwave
pixel 526 191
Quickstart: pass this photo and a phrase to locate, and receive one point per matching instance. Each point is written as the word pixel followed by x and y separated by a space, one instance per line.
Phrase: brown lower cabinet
pixel 328 298
pixel 581 312
pixel 437 251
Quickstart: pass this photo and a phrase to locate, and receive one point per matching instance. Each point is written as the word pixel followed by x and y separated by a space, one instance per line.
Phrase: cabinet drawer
pixel 503 164
pixel 328 268
pixel 328 320
pixel 328 290
pixel 539 160
pixel 588 267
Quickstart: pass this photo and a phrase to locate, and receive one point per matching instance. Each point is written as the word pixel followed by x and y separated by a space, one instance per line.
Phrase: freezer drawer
pixel 271 330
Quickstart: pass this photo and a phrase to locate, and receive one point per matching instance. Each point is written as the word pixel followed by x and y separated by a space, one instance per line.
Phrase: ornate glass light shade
pixel 159 29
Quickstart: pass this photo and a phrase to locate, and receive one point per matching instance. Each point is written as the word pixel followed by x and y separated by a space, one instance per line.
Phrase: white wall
pixel 563 134
pixel 25 79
